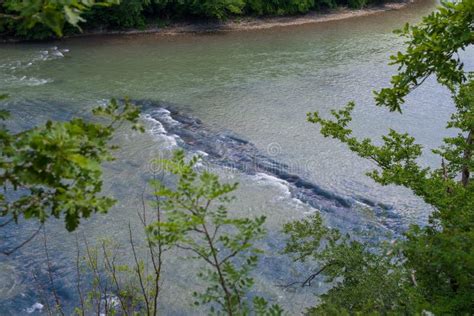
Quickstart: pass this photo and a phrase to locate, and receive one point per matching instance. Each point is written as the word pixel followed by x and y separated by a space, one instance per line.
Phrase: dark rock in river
pixel 229 150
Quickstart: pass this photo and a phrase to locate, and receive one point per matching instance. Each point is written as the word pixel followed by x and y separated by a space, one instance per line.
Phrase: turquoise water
pixel 254 84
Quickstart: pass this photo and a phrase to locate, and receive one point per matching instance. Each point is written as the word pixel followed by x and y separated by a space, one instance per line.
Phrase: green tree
pixel 55 169
pixel 42 19
pixel 438 257
pixel 196 220
pixel 54 14
pixel 189 216
pixel 367 279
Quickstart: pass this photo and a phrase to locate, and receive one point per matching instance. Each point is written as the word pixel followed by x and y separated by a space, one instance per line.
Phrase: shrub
pixel 357 4
pixel 128 14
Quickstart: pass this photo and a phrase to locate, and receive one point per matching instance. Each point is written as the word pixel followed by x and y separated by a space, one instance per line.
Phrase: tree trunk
pixel 467 157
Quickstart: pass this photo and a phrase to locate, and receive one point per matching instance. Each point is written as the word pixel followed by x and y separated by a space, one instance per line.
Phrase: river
pixel 255 86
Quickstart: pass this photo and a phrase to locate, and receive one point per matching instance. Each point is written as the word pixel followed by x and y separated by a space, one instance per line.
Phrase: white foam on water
pixel 35 307
pixel 267 179
pixel 202 153
pixel 158 130
pixel 284 187
pixel 40 56
pixel 32 81
pixel 362 204
pixel 23 81
pixel 52 53
pixel 14 72
pixel 300 203
pixel 165 115
pixel 310 210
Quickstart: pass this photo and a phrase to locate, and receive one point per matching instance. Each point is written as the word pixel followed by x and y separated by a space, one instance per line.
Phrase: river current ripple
pixel 237 154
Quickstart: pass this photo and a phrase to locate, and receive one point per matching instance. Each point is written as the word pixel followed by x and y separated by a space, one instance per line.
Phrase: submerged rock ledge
pixel 228 150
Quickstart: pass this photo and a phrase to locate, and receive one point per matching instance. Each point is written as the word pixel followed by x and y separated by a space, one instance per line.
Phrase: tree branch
pixel 309 279
pixel 9 252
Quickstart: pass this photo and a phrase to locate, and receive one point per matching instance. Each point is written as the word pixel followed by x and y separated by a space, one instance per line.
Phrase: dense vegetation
pixel 136 13
pixel 54 170
pixel 432 269
pixel 139 13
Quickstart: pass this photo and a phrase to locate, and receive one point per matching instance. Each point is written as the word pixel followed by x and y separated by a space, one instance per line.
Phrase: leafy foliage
pixel 432 48
pixel 438 258
pixel 127 14
pixel 365 281
pixel 198 222
pixel 108 286
pixel 37 20
pixel 55 169
pixel 259 7
pixel 26 14
pixel 191 217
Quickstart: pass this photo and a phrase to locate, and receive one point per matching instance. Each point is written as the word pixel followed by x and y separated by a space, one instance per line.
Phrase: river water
pixel 255 86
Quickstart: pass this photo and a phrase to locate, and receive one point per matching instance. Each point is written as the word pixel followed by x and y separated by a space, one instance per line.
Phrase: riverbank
pixel 252 23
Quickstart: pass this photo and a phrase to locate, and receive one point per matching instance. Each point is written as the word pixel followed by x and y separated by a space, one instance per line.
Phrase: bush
pixel 279 7
pixel 357 4
pixel 219 9
pixel 137 13
pixel 38 32
pixel 128 14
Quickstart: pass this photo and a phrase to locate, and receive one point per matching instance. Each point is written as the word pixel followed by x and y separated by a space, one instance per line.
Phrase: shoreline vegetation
pixel 55 171
pixel 249 23
pixel 107 21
